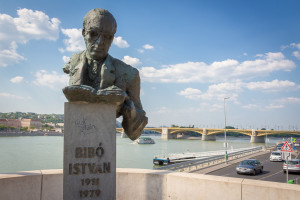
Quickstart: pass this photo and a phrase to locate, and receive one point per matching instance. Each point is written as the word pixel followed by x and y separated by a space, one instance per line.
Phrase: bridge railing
pixel 196 164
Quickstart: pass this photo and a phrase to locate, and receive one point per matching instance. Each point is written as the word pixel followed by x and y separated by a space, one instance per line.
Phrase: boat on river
pixel 145 140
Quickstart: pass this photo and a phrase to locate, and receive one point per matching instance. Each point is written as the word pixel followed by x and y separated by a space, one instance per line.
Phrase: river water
pixel 24 153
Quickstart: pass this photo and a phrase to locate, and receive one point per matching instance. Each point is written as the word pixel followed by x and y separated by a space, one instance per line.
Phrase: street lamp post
pixel 226 155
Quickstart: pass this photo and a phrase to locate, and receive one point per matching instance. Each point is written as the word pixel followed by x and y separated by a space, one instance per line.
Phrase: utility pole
pixel 226 155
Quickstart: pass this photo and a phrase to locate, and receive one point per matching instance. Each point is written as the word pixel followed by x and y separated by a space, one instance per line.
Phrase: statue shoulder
pixel 123 68
pixel 72 63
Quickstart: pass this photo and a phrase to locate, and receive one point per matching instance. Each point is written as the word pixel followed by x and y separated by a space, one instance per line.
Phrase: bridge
pixel 209 134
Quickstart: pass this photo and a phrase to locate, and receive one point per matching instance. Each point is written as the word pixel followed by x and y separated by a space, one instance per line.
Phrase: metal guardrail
pixel 197 155
pixel 196 164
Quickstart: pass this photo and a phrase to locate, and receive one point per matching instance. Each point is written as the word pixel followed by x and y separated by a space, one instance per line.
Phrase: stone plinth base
pixel 89 170
pixel 208 137
pixel 257 139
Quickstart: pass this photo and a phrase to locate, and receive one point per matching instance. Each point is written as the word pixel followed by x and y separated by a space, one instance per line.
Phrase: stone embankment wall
pixel 30 134
pixel 149 184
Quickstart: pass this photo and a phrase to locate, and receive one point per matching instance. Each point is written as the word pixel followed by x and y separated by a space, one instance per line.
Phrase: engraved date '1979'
pixel 90 193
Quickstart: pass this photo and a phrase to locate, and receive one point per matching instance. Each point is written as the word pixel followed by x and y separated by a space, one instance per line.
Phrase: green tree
pixel 24 129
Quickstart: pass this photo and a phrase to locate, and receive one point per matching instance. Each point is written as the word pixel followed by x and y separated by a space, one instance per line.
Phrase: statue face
pixel 98 36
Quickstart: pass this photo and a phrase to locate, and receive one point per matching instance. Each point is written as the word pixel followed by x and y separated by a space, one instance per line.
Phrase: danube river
pixel 23 153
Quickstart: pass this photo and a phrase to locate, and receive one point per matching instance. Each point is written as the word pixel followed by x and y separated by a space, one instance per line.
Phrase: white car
pixel 276 156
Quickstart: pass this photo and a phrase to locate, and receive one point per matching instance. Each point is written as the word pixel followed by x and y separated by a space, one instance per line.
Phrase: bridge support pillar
pixel 255 138
pixel 206 137
pixel 165 134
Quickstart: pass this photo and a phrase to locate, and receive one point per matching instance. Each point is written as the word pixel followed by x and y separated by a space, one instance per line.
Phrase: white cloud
pixel 214 92
pixel 250 106
pixel 272 86
pixel 191 93
pixel 17 79
pixel 216 107
pixel 232 90
pixel 296 54
pixel 75 41
pixel 294 45
pixel 131 61
pixel 52 80
pixel 273 106
pixel 65 59
pixel 12 96
pixel 148 46
pixel 119 42
pixel 162 110
pixel 218 71
pixel 289 100
pixel 28 25
pixel 141 50
pixel 10 55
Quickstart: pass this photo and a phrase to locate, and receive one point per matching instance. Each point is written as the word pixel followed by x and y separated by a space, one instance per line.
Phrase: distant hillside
pixel 45 118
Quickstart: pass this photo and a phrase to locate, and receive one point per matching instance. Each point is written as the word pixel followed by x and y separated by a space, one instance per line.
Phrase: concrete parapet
pixel 145 184
pixel 52 184
pixel 23 185
pixel 141 184
pixel 198 186
pixel 255 189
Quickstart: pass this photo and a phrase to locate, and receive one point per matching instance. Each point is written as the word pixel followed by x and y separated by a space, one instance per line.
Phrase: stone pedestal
pixel 89 170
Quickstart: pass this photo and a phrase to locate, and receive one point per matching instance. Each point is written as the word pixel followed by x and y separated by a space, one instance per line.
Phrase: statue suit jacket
pixel 114 72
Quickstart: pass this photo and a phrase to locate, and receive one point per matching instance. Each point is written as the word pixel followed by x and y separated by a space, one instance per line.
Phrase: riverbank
pixel 5 134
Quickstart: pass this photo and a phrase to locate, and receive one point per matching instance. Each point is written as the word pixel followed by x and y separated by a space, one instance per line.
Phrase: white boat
pixel 145 140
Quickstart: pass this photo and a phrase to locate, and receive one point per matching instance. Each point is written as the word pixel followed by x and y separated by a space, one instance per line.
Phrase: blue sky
pixel 190 54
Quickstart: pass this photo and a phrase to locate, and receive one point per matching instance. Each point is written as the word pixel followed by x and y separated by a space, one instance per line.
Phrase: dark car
pixel 250 166
pixel 279 146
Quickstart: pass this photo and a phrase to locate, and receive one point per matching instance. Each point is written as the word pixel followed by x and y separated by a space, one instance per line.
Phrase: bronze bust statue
pixel 96 70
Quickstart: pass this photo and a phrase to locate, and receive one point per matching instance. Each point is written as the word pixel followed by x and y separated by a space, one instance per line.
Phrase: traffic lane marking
pixel 270 175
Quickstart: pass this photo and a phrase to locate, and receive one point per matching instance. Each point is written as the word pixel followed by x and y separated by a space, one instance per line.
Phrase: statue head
pixel 99 27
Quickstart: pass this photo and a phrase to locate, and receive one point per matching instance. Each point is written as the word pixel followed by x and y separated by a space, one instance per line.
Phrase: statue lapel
pixel 78 72
pixel 108 73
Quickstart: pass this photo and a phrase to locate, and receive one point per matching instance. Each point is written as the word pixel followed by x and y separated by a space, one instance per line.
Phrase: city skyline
pixel 190 55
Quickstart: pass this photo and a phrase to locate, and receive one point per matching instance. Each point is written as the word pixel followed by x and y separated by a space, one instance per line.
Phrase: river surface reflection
pixel 26 153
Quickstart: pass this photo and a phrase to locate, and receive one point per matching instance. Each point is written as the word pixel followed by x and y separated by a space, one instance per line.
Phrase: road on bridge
pixel 272 170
